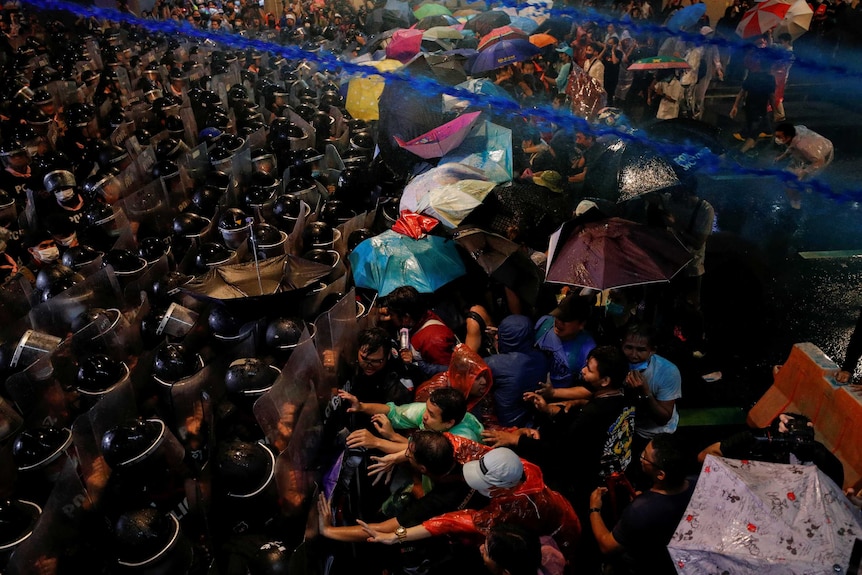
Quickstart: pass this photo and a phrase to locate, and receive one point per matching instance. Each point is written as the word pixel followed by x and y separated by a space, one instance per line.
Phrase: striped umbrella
pixel 762 18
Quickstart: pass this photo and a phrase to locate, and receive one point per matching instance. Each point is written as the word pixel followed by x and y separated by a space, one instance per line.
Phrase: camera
pixel 798 434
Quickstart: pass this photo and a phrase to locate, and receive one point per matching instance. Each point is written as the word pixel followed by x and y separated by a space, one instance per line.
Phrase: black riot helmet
pixel 132 442
pixel 148 541
pixel 318 234
pixel 356 237
pixel 98 373
pixel 36 448
pixel 123 262
pixel 173 362
pixel 211 254
pixel 152 248
pixel 250 376
pixel 244 469
pixel 223 322
pixel 79 256
pixel 189 225
pixel 284 332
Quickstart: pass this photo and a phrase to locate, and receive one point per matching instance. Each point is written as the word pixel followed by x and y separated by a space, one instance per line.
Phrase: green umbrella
pixel 431 9
pixel 660 63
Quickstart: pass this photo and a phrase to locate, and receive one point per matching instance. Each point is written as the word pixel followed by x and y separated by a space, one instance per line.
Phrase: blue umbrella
pixel 526 24
pixel 486 87
pixel 503 53
pixel 392 260
pixel 685 17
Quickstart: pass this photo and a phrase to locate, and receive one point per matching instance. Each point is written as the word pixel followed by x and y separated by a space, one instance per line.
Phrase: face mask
pixel 638 366
pixel 315 174
pixel 779 141
pixel 65 194
pixel 50 254
pixel 66 242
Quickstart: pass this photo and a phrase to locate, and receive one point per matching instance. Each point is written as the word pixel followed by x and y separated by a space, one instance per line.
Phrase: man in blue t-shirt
pixel 561 335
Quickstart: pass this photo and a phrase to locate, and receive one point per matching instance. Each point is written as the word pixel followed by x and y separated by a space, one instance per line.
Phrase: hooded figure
pixel 469 374
pixel 517 368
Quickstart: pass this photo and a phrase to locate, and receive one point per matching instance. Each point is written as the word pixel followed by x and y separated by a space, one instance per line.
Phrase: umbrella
pixel 660 63
pixel 363 93
pixel 507 32
pixel 524 23
pixel 404 44
pixel 442 139
pixel 431 9
pixel 487 147
pixel 435 21
pixel 442 33
pixel 542 40
pixel 379 41
pixel 625 170
pixel 762 18
pixel 451 203
pixel 797 21
pixel 530 211
pixel 445 68
pixel 503 53
pixel 390 260
pixel 685 17
pixel 484 86
pixel 613 253
pixel 483 23
pixel 238 286
pixel 442 175
pixel 766 518
pixel 503 260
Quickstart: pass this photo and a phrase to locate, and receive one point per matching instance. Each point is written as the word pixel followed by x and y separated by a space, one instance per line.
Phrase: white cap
pixel 500 467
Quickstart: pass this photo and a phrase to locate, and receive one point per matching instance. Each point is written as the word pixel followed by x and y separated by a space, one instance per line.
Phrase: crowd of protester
pixel 144 412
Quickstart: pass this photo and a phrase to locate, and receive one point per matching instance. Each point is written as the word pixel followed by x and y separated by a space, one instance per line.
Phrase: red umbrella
pixel 613 253
pixel 506 32
pixel 762 18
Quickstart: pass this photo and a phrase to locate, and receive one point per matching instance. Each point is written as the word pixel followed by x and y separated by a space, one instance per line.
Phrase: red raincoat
pixel 465 367
pixel 532 505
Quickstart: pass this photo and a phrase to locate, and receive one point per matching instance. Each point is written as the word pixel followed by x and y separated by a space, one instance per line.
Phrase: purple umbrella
pixel 613 253
pixel 503 53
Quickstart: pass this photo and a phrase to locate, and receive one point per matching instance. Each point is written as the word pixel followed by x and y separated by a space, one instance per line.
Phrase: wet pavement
pixel 760 296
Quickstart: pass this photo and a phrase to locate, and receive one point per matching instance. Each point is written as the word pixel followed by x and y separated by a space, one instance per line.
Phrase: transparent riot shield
pixel 190 416
pixel 336 337
pixel 38 393
pixel 60 313
pixel 11 422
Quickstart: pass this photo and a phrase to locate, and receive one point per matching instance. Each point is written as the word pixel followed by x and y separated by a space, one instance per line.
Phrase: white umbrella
pixel 797 21
pixel 765 518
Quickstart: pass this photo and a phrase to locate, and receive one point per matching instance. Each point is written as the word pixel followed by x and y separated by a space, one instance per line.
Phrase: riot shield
pixel 11 423
pixel 336 337
pixel 58 314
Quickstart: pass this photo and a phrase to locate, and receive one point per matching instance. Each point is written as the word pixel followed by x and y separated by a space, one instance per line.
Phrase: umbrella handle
pixel 250 222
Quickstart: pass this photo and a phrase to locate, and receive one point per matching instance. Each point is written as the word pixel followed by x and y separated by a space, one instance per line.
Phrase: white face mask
pixel 779 141
pixel 49 255
pixel 66 242
pixel 65 194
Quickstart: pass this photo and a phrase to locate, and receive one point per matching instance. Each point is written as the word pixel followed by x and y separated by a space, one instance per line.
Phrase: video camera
pixel 798 435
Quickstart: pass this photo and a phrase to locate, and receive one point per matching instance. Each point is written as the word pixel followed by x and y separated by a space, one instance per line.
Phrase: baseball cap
pixel 551 180
pixel 290 16
pixel 500 467
pixel 566 50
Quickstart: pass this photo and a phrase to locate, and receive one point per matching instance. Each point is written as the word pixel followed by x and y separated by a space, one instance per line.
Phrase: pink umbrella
pixel 442 139
pixel 404 44
pixel 762 18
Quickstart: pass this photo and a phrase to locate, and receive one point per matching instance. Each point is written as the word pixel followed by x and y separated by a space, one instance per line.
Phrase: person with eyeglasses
pixel 637 543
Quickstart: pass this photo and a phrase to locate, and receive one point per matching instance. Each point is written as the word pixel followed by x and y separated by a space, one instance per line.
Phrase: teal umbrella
pixel 392 260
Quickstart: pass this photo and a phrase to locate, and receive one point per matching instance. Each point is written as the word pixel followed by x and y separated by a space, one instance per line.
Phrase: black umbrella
pixel 483 23
pixel 625 170
pixel 282 282
pixel 503 260
pixel 445 68
pixel 523 210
